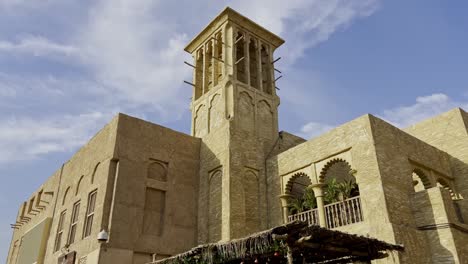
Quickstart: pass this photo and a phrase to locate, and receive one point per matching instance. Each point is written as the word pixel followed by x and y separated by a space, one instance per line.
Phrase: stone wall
pixel 398 155
pixel 449 133
pixel 352 142
pixel 87 171
pixel 154 203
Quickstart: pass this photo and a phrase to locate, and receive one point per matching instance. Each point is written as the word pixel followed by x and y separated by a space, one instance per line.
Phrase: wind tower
pixel 235 113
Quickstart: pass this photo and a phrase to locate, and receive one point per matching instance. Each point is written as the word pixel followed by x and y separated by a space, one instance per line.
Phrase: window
pixel 58 238
pixel 89 214
pixel 74 222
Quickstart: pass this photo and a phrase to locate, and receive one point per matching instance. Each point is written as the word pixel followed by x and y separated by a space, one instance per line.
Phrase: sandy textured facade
pixel 158 192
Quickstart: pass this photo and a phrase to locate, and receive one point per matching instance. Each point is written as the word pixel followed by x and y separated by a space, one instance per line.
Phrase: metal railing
pixel 336 214
pixel 310 217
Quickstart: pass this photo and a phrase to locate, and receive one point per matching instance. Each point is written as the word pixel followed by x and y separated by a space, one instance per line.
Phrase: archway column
pixel 318 192
pixel 285 198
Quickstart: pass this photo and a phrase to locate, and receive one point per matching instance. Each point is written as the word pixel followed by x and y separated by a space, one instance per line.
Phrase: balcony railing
pixel 310 217
pixel 343 213
pixel 336 214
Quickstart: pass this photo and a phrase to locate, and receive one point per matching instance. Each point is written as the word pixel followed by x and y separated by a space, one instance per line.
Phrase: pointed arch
pixel 251 192
pixel 78 185
pixel 200 122
pixel 216 113
pixel 265 119
pixel 246 112
pixel 95 171
pixel 215 206
pixel 65 195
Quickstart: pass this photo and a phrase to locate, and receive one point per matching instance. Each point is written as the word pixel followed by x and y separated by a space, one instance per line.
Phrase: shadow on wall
pixel 430 205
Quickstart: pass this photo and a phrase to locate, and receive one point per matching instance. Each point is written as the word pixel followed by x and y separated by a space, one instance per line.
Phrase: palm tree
pixel 296 206
pixel 309 201
pixel 347 189
pixel 332 192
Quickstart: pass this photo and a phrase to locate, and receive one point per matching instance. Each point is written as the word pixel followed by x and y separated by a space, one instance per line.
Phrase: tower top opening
pixel 229 14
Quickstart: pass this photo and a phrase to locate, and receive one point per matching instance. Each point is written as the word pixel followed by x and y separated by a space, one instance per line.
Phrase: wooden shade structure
pixel 291 243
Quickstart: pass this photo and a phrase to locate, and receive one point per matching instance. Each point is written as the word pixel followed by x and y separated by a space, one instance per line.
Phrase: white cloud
pixel 133 52
pixel 37 46
pixel 135 56
pixel 26 138
pixel 305 23
pixel 313 129
pixel 424 107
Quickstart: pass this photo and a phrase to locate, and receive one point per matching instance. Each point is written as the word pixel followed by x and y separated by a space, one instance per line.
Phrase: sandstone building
pixel 158 192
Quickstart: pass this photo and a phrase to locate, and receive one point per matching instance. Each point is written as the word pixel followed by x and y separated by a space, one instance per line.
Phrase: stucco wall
pixel 352 142
pixel 87 171
pixel 449 133
pixel 398 154
pixel 154 205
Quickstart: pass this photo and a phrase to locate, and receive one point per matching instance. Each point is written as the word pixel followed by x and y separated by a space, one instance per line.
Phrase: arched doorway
pixel 340 182
pixel 300 195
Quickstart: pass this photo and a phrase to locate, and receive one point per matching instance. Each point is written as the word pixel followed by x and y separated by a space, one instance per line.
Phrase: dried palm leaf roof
pixel 314 243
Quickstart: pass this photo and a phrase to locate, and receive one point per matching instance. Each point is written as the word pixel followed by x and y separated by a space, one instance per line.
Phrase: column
pixel 318 192
pixel 259 66
pixel 284 198
pixel 247 57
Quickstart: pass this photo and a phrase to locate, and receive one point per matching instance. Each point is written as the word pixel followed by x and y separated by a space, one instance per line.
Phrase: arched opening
pixel 266 70
pixel 209 67
pixel 219 57
pixel 420 181
pixel 444 184
pixel 240 58
pixel 199 74
pixel 340 182
pixel 302 198
pixel 253 64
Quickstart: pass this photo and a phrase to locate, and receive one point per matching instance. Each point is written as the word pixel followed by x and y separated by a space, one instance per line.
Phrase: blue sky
pixel 66 67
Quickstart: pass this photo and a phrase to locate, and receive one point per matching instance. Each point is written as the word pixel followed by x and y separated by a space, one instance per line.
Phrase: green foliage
pixel 348 189
pixel 332 192
pixel 309 201
pixel 296 206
